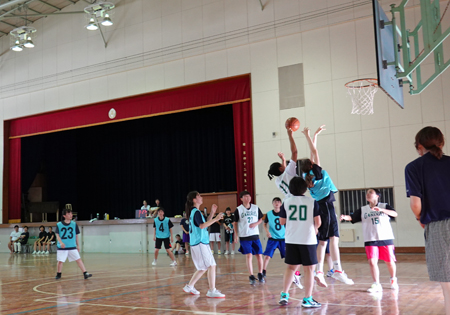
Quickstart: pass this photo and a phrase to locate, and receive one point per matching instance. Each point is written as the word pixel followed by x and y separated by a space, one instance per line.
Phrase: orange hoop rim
pixel 371 81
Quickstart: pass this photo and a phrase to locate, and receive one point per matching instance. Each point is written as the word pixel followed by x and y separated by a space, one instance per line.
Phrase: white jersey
pixel 300 220
pixel 147 207
pixel 246 217
pixel 284 179
pixel 376 224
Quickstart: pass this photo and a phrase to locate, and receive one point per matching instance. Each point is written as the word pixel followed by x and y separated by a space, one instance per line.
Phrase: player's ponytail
pixel 190 203
pixel 432 139
pixel 274 170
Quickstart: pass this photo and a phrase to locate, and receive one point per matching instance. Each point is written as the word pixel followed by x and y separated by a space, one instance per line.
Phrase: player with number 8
pixel 378 236
pixel 275 233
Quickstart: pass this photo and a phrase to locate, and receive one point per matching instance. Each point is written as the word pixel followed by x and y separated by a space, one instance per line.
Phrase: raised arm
pixel 283 159
pixel 314 153
pixel 294 151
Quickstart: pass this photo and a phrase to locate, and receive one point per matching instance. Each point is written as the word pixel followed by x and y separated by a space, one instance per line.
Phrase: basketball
pixel 292 123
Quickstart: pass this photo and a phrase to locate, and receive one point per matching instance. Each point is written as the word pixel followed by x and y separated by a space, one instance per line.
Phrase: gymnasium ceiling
pixel 15 13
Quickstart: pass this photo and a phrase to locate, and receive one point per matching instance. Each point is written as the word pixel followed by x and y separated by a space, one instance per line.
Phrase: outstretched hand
pixel 320 129
pixel 305 131
pixel 281 155
pixel 213 208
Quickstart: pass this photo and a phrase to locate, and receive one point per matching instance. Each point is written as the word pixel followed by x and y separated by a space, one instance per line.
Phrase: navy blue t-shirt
pixel 429 179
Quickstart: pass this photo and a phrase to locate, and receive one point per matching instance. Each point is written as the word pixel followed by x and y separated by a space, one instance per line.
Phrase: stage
pixel 124 283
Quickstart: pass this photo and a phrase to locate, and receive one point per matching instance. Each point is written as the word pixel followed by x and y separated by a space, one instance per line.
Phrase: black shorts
pixel 297 254
pixel 227 237
pixel 329 226
pixel 159 242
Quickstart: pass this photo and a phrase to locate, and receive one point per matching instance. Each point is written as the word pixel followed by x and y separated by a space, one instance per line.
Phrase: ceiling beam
pixel 47 14
pixel 50 5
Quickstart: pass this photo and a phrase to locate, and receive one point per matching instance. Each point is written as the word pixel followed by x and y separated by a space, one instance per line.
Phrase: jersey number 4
pixel 64 232
pixel 161 228
pixel 299 212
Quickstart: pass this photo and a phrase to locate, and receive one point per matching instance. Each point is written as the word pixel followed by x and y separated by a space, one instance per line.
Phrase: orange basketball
pixel 292 123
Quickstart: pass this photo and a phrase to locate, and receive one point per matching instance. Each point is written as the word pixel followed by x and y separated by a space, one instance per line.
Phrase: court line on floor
pixel 346 305
pixel 106 297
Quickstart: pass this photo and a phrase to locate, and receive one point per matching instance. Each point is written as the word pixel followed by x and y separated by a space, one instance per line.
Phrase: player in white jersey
pixel 378 236
pixel 247 217
pixel 285 173
pixel 301 215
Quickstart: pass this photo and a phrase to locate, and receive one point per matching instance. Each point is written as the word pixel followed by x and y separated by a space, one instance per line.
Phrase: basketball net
pixel 362 92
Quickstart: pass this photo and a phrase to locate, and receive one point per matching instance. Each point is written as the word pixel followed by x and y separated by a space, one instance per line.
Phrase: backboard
pixel 386 55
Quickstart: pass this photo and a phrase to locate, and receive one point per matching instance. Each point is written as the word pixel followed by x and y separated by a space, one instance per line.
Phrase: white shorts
pixel 72 254
pixel 202 256
pixel 214 237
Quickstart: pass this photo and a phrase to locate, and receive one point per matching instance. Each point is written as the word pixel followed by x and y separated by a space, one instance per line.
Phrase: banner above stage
pixel 191 97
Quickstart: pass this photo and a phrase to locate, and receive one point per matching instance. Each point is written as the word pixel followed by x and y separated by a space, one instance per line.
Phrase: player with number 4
pixel 68 247
pixel 378 236
pixel 162 227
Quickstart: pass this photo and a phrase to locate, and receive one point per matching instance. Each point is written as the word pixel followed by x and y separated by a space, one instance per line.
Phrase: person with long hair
pixel 427 180
pixel 199 240
pixel 322 190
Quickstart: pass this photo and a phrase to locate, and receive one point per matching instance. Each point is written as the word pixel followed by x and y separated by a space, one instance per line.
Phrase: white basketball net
pixel 362 93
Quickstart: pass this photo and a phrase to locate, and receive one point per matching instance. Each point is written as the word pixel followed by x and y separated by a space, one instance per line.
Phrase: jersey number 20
pixel 301 213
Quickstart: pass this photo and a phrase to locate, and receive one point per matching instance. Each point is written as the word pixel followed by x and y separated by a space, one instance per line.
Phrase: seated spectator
pixel 22 240
pixel 40 241
pixel 12 238
pixel 145 206
pixel 154 210
pixel 51 239
pixel 179 245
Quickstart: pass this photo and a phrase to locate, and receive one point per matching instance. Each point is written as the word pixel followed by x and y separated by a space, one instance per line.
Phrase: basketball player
pixel 284 173
pixel 322 190
pixel 228 220
pixel 301 215
pixel 378 236
pixel 68 247
pixel 247 217
pixel 201 254
pixel 275 233
pixel 162 233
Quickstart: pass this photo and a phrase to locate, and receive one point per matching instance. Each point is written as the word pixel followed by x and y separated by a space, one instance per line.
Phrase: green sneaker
pixel 310 303
pixel 284 298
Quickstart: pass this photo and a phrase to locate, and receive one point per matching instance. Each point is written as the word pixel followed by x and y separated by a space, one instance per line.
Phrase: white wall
pixel 160 44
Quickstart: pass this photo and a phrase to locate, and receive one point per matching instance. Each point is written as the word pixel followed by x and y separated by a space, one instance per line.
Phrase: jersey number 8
pixel 301 213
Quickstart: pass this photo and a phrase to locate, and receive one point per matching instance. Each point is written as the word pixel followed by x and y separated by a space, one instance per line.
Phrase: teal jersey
pixel 275 228
pixel 196 234
pixel 162 227
pixel 68 234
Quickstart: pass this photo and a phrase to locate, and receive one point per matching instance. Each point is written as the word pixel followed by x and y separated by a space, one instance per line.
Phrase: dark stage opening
pixel 112 168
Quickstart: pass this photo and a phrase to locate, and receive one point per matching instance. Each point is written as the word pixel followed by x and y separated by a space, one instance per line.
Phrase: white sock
pixel 320 267
pixel 337 265
pixel 19 247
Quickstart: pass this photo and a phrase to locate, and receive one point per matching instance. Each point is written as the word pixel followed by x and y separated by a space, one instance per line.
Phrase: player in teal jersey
pixel 275 233
pixel 162 233
pixel 68 247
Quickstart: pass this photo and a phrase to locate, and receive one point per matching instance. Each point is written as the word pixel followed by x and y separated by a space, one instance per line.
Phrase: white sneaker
pixel 34 253
pixel 342 276
pixel 226 252
pixel 46 253
pixel 187 253
pixel 376 287
pixel 173 264
pixel 219 252
pixel 297 281
pixel 394 284
pixel 188 289
pixel 320 279
pixel 215 294
pixel 154 262
pixel 232 252
pixel 40 253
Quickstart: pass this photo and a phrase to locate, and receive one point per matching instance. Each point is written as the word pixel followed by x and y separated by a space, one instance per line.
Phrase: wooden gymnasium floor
pixel 123 283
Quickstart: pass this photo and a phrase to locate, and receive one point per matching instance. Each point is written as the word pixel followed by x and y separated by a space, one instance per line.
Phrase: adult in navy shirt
pixel 427 185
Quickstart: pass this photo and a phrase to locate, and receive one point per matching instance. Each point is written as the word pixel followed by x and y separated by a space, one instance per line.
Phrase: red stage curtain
pixel 215 93
pixel 243 146
pixel 14 179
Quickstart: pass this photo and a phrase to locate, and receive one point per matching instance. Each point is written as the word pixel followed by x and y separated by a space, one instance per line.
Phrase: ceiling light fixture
pixel 22 37
pixel 100 11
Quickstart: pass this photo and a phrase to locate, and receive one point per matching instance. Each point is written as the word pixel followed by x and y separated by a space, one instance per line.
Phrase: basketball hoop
pixel 362 92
